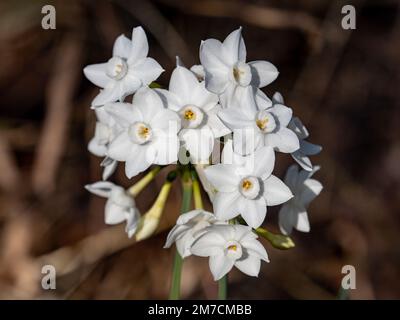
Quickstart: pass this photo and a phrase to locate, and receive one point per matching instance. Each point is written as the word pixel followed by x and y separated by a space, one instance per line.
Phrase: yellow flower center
pixel 246 185
pixel 262 123
pixel 144 132
pixel 189 115
pixel 232 247
pixel 237 73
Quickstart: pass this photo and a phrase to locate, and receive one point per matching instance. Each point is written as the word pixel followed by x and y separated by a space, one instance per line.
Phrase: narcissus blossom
pixel 218 103
pixel 120 206
pixel 246 186
pixel 128 69
pixel 229 246
pixel 106 129
pixel 198 109
pixel 149 132
pixel 225 65
pixel 254 124
pixel 293 214
pixel 188 228
pixel 306 149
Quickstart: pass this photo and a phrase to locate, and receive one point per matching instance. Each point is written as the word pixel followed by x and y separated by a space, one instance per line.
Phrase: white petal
pixel 263 73
pixel 302 160
pixel 100 188
pixel 253 211
pixel 183 83
pixel 167 121
pixel 284 140
pixel 309 149
pixel 287 219
pixel 222 177
pixel 96 148
pixel 203 98
pixel 283 113
pixel 122 47
pixel 216 125
pixel 297 126
pixel 250 265
pixel 176 232
pixel 114 214
pixel 170 100
pixel 235 119
pixel 107 95
pixel 278 98
pixel 199 143
pixel 211 55
pixel 109 169
pixel 255 248
pixel 96 73
pixel 234 48
pixel 216 80
pixel 246 140
pixel 147 70
pixel 302 223
pixel 226 205
pixel 291 176
pixel 220 266
pixel 262 101
pixel 148 102
pixel 198 70
pixel 243 99
pixel 140 159
pixel 132 222
pixel 140 46
pixel 208 244
pixel 188 216
pixel 123 113
pixel 166 148
pixel 183 245
pixel 311 189
pixel 275 191
pixel 264 162
pixel 121 147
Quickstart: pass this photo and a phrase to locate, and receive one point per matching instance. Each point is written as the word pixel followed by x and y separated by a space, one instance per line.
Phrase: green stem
pixel 223 287
pixel 174 293
pixel 198 202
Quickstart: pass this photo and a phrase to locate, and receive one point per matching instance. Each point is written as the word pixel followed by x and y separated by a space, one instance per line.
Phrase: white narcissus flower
pixel 301 156
pixel 293 214
pixel 306 148
pixel 254 124
pixel 109 165
pixel 188 228
pixel 225 65
pixel 127 70
pixel 245 185
pixel 228 246
pixel 149 133
pixel 106 129
pixel 198 109
pixel 120 206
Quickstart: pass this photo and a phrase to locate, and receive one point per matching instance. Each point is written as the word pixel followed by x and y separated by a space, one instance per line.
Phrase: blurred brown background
pixel 343 84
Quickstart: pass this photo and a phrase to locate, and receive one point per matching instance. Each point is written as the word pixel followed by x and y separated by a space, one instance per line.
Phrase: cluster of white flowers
pixel 219 102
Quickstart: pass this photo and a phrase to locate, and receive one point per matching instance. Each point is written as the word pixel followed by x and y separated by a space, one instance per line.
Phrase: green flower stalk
pixel 278 241
pixel 143 183
pixel 150 221
pixel 187 185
